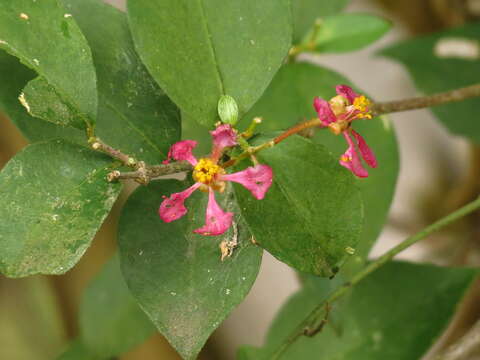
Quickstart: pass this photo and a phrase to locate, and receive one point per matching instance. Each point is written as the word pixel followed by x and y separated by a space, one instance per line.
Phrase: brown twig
pixel 125 159
pixel 144 174
pixel 426 101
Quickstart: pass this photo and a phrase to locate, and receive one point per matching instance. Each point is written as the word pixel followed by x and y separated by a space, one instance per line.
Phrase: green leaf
pixel 347 32
pixel 454 55
pixel 111 322
pixel 41 100
pixel 177 276
pixel 134 114
pixel 381 319
pixel 198 50
pixel 301 221
pixel 53 199
pixel 15 76
pixel 305 12
pixel 46 39
pixel 77 351
pixel 289 100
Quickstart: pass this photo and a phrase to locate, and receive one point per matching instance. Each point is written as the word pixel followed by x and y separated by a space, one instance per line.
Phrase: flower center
pixel 361 103
pixel 205 171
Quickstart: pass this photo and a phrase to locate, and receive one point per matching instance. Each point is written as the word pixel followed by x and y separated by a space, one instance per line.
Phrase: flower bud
pixel 338 104
pixel 228 110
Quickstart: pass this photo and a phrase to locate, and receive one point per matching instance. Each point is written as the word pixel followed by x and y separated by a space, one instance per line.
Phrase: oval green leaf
pixel 177 276
pixel 380 319
pixel 347 32
pixel 111 322
pixel 134 114
pixel 46 39
pixel 289 100
pixel 198 50
pixel 306 12
pixel 53 199
pixel 312 212
pixel 455 55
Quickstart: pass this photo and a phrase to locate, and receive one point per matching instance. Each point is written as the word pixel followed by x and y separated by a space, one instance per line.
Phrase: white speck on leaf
pixel 36 62
pixel 457 47
pixel 55 217
pixel 228 291
pixel 173 293
pixel 67 16
pixel 24 16
pixel 24 102
pixel 252 42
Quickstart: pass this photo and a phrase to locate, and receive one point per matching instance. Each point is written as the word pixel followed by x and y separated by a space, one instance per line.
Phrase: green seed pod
pixel 228 110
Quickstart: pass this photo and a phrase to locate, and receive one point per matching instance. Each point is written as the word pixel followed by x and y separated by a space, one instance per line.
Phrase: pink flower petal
pixel 347 92
pixel 182 150
pixel 325 113
pixel 224 136
pixel 351 160
pixel 365 150
pixel 216 220
pixel 257 179
pixel 173 208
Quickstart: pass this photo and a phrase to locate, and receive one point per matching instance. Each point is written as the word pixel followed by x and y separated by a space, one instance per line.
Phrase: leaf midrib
pixel 211 47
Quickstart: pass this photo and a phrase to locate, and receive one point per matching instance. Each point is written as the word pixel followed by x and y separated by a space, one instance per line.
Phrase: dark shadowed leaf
pixel 381 319
pixel 289 100
pixel 46 39
pixel 223 47
pixel 111 322
pixel 442 62
pixel 312 212
pixel 53 199
pixel 177 276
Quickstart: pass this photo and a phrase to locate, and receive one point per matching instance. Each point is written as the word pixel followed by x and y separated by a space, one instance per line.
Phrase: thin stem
pixel 297 129
pixel 248 153
pixel 254 149
pixel 317 314
pixel 426 101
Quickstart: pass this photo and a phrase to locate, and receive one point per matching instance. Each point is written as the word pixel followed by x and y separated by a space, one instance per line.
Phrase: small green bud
pixel 228 110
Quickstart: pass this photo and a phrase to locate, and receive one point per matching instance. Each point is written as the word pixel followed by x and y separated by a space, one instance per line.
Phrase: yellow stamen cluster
pixel 345 158
pixel 361 103
pixel 205 171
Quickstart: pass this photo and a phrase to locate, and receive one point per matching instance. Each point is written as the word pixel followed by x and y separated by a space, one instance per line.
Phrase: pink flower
pixel 338 115
pixel 210 176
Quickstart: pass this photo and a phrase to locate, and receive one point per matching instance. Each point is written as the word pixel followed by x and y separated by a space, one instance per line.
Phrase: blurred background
pixel 38 315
